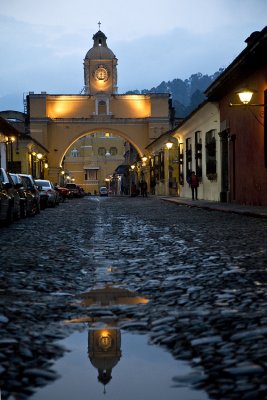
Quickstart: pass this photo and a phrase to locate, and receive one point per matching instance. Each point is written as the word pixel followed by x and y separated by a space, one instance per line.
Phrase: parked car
pixel 64 193
pixel 27 204
pixel 48 187
pixel 103 191
pixel 12 192
pixel 74 189
pixel 4 204
pixel 33 189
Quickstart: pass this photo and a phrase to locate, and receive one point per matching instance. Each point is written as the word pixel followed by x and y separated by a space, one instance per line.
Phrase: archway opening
pixel 99 159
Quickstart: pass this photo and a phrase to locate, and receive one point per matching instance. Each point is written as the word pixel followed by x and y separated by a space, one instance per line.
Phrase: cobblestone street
pixel 203 272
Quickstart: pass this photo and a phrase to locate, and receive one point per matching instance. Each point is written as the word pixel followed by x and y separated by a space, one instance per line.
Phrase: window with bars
pixel 210 144
pixel 91 174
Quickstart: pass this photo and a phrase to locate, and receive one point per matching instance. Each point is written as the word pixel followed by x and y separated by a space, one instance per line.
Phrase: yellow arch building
pixel 57 121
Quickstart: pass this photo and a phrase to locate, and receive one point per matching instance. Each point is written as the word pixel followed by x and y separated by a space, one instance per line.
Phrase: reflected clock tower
pixel 104 351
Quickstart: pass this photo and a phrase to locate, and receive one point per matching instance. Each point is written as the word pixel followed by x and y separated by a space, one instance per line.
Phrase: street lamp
pixel 144 160
pixel 245 96
pixel 169 145
pixel 39 156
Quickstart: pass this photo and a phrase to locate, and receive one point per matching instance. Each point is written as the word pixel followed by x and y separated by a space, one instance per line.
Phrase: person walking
pixel 143 186
pixel 194 183
pixel 152 185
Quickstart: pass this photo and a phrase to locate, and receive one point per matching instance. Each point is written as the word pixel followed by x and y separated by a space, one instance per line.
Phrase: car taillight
pixel 50 191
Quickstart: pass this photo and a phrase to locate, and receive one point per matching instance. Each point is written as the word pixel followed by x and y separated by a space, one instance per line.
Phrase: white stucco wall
pixel 205 119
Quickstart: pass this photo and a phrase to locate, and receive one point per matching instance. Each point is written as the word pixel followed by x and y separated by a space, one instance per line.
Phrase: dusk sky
pixel 43 43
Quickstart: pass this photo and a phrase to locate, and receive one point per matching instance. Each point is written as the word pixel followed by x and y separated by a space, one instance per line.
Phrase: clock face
pixel 101 73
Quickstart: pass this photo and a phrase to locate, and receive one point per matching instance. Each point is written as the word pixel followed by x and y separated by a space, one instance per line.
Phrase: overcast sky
pixel 43 43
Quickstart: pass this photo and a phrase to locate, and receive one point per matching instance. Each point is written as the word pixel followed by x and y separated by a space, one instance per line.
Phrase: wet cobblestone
pixel 204 273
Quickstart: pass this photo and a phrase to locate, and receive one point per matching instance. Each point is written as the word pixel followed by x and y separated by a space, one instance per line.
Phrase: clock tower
pixel 100 67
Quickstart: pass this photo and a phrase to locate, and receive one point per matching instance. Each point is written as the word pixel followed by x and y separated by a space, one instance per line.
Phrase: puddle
pixel 107 362
pixel 116 365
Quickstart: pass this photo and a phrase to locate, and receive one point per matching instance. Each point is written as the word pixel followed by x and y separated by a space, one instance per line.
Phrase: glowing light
pixel 245 96
pixel 169 145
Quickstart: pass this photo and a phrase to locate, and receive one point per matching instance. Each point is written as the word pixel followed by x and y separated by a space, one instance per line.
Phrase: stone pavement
pixel 251 211
pixel 204 274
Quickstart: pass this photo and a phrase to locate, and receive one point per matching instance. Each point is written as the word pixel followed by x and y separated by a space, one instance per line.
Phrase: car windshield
pixel 15 178
pixel 43 183
pixel 27 180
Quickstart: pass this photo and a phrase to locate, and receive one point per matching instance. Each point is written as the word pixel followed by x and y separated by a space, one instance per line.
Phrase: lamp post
pixel 168 145
pixel 62 178
pixel 131 178
pixel 9 151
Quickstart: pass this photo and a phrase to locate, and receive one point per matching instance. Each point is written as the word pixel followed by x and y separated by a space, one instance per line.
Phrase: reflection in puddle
pixel 109 295
pixel 143 372
pixel 127 369
pixel 104 351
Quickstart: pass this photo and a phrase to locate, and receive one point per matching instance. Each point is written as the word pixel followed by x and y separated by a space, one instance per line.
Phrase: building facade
pixel 243 127
pixel 58 121
pixel 199 150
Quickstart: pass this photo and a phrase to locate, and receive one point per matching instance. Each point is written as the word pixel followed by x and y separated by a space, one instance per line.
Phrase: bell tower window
pixel 102 107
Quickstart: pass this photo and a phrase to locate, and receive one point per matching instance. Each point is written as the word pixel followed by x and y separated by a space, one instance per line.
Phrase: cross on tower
pixel 99 23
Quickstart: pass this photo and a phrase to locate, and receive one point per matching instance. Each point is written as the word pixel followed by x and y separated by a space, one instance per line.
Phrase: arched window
pixel 101 151
pixel 102 107
pixel 113 151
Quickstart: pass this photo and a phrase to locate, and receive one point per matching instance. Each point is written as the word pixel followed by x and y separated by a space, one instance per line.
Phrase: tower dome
pixel 100 67
pixel 100 49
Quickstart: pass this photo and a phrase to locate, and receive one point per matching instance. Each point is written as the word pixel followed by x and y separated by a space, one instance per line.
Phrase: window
pixel 74 153
pixel 113 151
pixel 101 151
pixel 210 144
pixel 91 174
pixel 198 153
pixel 188 152
pixel 102 109
pixel 181 163
pixel 14 166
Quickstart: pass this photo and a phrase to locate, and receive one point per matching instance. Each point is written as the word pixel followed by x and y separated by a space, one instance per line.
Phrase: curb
pixel 215 207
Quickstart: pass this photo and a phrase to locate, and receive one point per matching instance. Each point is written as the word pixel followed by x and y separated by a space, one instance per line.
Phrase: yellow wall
pixel 159 105
pixel 57 121
pixel 83 106
pixel 131 106
pixel 37 106
pixel 70 106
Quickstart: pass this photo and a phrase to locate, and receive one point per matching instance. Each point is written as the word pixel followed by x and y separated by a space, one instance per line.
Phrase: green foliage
pixel 187 94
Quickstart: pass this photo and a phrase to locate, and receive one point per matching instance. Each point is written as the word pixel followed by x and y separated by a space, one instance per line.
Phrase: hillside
pixel 187 94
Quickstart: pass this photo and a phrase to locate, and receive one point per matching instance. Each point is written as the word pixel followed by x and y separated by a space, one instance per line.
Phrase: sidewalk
pixel 251 211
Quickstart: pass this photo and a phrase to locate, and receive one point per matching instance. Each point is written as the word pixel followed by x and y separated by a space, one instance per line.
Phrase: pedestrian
pixel 152 185
pixel 143 187
pixel 133 190
pixel 194 183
